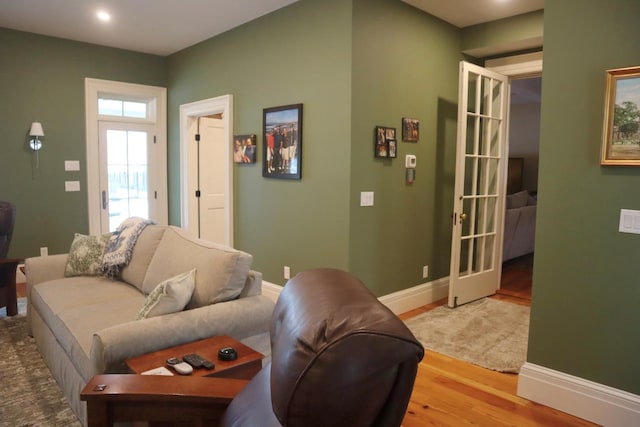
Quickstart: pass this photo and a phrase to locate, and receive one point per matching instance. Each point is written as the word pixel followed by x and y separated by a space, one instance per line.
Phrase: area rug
pixel 30 396
pixel 489 333
pixel 22 307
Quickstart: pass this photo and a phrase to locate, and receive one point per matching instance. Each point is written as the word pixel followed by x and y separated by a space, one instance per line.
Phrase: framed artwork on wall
pixel 410 130
pixel 244 148
pixel 282 143
pixel 621 134
pixel 385 142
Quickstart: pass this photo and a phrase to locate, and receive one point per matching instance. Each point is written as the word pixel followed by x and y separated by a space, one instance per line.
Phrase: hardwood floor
pixel 450 392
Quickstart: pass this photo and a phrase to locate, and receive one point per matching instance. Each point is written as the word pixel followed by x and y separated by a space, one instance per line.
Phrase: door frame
pixel 218 105
pixel 94 88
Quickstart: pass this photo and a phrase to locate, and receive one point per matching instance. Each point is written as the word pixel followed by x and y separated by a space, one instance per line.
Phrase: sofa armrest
pixel 44 268
pixel 240 318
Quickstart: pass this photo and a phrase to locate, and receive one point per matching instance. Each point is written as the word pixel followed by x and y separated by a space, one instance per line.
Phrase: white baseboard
pixel 398 302
pixel 588 400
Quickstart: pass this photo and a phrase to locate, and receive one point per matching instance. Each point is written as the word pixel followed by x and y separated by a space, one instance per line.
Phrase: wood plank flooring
pixel 450 392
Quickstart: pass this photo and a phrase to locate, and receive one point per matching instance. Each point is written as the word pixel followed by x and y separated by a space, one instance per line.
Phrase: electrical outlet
pixel 44 251
pixel 425 271
pixel 287 272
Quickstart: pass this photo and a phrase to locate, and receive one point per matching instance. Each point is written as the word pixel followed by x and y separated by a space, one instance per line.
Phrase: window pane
pixel 135 109
pixel 110 107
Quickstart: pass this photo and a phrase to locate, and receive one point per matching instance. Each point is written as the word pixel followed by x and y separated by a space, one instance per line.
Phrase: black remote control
pixel 197 361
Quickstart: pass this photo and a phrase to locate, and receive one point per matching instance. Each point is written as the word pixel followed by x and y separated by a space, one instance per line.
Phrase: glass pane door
pixel 125 180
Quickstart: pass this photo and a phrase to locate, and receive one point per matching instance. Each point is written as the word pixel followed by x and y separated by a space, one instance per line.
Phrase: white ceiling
pixel 163 27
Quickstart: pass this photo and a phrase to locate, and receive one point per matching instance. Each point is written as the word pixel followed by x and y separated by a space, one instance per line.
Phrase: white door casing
pixel 211 217
pixel 479 186
pixel 156 97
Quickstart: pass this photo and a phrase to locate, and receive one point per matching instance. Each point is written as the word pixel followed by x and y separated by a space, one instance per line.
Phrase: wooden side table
pixel 8 293
pixel 246 366
pixel 159 400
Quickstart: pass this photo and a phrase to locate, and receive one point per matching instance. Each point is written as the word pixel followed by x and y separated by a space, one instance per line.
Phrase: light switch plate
pixel 72 165
pixel 366 198
pixel 629 221
pixel 72 186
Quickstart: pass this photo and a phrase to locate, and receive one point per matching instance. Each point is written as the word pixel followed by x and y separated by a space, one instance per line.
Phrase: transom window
pixel 122 108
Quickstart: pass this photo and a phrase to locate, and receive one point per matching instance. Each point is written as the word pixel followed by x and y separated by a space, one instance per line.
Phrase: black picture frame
pixel 385 145
pixel 244 149
pixel 282 142
pixel 410 130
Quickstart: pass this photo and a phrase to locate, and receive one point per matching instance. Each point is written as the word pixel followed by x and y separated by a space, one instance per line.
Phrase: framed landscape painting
pixel 621 134
pixel 282 143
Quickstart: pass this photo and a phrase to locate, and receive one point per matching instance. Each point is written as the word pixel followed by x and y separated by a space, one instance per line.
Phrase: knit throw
pixel 117 253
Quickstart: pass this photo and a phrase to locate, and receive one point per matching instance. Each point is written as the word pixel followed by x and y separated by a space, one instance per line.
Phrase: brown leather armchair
pixel 338 358
pixel 8 297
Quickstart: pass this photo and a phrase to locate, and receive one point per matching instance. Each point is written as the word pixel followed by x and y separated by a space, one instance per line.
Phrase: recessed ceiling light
pixel 103 16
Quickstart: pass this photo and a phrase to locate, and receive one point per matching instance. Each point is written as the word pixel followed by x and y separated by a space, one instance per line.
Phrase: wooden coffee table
pixel 246 366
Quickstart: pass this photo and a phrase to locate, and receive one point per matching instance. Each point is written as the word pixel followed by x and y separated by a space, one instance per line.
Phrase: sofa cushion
pixel 170 296
pixel 221 271
pixel 97 303
pixel 143 251
pixel 85 255
pixel 517 200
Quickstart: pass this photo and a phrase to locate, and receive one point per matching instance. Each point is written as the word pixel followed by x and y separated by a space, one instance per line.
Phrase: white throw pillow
pixel 170 296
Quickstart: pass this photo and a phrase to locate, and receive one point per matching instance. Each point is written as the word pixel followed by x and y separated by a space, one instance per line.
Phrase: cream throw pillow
pixel 85 255
pixel 170 296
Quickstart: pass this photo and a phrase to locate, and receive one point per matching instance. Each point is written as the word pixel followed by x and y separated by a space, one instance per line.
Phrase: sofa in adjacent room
pixel 519 225
pixel 175 289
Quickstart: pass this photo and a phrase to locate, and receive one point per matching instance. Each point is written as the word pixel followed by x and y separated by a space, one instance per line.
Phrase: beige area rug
pixel 30 396
pixel 489 333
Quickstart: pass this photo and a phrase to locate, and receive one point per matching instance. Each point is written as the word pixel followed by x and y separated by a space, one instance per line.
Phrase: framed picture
pixel 385 142
pixel 244 148
pixel 410 130
pixel 621 134
pixel 282 147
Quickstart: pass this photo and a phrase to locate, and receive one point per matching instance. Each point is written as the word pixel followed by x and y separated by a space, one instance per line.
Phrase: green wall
pixel 298 54
pixel 586 293
pixel 405 64
pixel 42 79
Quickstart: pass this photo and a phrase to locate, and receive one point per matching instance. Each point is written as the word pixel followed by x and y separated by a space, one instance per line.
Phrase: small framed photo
pixel 244 148
pixel 621 134
pixel 385 142
pixel 410 130
pixel 282 147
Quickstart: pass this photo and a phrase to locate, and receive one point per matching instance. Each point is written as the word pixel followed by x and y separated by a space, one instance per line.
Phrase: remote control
pixel 179 366
pixel 197 361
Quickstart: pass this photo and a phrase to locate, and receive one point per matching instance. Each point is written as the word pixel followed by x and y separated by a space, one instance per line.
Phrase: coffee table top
pixel 208 349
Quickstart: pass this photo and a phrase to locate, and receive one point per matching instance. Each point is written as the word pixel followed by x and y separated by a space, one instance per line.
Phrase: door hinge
pixel 155 195
pixel 197 193
pixel 197 137
pixel 154 139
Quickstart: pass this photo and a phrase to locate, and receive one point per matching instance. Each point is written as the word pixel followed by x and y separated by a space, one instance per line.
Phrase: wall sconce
pixel 34 143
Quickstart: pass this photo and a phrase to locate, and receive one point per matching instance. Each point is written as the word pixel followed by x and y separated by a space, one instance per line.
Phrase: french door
pixel 481 163
pixel 127 184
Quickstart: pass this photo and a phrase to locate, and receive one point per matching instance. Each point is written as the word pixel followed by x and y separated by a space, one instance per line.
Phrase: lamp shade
pixel 36 129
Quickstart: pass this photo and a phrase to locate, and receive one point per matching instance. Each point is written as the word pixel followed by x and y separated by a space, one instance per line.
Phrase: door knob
pixel 463 217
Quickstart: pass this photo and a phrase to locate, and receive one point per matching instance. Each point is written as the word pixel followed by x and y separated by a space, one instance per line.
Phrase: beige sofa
pixel 86 325
pixel 519 225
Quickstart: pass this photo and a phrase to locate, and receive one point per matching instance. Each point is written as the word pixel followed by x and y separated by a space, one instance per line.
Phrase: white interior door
pixel 212 179
pixel 126 177
pixel 481 160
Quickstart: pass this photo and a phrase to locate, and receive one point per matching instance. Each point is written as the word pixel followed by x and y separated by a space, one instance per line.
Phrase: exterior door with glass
pixel 481 161
pixel 126 175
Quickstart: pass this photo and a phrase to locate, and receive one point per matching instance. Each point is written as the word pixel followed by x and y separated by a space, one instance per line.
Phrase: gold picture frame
pixel 621 134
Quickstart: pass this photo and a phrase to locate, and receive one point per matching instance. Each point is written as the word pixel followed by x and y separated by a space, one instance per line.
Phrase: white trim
pixel 93 89
pixel 221 104
pixel 398 302
pixel 588 400
pixel 516 65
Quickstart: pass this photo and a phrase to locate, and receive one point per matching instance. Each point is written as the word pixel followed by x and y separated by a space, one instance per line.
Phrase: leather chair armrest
pixel 155 398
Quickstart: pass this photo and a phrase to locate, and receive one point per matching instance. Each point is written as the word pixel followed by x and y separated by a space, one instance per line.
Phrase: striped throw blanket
pixel 117 253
